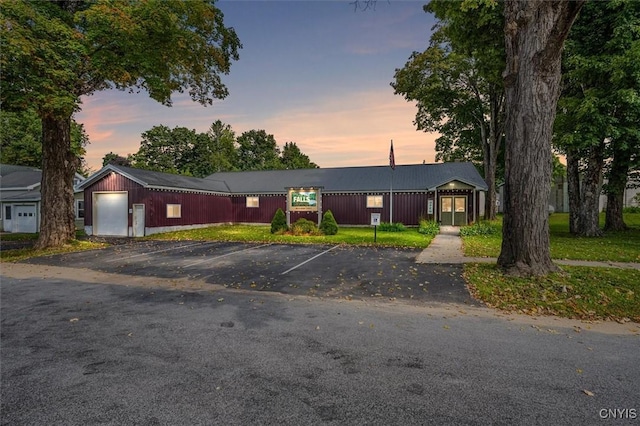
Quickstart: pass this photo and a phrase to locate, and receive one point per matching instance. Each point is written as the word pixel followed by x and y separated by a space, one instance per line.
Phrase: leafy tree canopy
pixel 258 150
pixel 293 158
pixel 21 140
pixel 457 86
pixel 187 152
pixel 55 52
pixel 118 160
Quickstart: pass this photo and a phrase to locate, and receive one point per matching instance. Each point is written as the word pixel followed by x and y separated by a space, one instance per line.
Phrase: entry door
pixel 453 211
pixel 446 210
pixel 138 220
pixel 25 219
pixel 459 211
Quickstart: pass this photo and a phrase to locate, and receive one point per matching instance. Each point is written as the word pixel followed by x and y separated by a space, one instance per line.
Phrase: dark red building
pixel 125 201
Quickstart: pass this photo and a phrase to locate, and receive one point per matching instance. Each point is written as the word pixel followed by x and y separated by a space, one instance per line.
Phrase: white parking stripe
pixel 206 259
pixel 309 260
pixel 160 251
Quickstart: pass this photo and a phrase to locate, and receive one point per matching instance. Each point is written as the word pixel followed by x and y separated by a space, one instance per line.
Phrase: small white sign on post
pixel 429 206
pixel 375 219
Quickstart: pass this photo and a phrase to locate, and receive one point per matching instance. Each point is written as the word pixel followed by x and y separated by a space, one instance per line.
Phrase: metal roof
pixel 18 179
pixel 159 180
pixel 418 177
pixel 19 196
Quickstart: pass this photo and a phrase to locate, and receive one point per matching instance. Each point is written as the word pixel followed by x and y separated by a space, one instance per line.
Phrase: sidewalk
pixel 446 247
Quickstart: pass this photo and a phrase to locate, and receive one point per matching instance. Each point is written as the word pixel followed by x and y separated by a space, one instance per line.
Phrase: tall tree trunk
pixel 491 199
pixel 573 189
pixel 535 31
pixel 615 190
pixel 59 165
pixel 491 151
pixel 589 223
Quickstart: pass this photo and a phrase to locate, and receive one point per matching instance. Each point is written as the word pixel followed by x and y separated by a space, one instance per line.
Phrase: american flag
pixel 392 158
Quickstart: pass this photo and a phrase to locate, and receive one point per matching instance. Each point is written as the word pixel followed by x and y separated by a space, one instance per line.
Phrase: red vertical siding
pixel 351 209
pixel 262 214
pixel 111 182
pixel 201 208
pixel 196 208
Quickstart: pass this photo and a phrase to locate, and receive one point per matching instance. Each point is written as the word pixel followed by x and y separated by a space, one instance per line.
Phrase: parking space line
pixel 309 260
pixel 223 255
pixel 160 251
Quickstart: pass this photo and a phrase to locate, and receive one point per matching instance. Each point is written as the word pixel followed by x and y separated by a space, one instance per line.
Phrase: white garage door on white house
pixel 25 218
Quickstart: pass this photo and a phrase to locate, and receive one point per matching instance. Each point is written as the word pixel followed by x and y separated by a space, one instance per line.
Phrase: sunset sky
pixel 311 72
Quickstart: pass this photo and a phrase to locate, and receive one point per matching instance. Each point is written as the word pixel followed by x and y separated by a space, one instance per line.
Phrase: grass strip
pixel 612 246
pixel 26 253
pixel 362 236
pixel 577 292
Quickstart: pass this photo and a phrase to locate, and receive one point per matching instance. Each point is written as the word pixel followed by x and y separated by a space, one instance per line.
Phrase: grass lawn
pixel 346 235
pixel 577 292
pixel 614 246
pixel 25 253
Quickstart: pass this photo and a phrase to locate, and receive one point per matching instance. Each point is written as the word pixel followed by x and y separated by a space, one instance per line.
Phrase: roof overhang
pixel 105 171
pixel 465 181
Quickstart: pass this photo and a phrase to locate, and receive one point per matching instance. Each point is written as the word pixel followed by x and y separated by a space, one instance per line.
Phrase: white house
pixel 20 199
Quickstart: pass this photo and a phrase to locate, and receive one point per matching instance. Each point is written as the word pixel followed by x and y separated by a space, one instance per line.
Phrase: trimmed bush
pixel 328 225
pixel 304 226
pixel 429 227
pixel 392 227
pixel 480 228
pixel 279 222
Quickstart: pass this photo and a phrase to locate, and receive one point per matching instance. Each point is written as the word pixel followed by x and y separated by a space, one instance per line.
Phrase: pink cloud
pixel 349 129
pixel 355 130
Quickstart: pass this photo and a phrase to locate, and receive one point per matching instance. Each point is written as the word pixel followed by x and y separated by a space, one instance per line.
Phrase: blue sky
pixel 313 72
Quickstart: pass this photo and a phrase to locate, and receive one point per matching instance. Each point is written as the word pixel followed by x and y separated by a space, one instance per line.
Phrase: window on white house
pixel 253 202
pixel 7 212
pixel 174 211
pixel 79 209
pixel 374 201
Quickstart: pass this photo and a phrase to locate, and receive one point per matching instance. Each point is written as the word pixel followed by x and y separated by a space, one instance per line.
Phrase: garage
pixel 25 219
pixel 110 214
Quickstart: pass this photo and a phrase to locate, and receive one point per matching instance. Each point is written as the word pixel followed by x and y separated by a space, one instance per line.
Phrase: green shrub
pixel 328 225
pixel 391 227
pixel 279 222
pixel 304 226
pixel 480 228
pixel 632 209
pixel 429 227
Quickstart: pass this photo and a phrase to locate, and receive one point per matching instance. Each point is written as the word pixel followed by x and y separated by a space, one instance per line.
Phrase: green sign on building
pixel 303 200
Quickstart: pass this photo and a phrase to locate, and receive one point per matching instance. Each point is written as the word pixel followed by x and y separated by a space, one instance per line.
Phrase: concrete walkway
pixel 446 247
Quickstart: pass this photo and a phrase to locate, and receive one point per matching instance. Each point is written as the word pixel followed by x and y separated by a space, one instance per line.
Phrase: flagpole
pixel 392 163
pixel 391 200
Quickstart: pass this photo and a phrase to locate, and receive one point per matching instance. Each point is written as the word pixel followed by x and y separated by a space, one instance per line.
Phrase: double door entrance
pixel 453 210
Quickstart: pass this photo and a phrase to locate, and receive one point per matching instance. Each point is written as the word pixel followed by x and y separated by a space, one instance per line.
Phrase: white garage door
pixel 110 214
pixel 25 219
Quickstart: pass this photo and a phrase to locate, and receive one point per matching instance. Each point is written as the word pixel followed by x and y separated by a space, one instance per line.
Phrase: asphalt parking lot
pixel 317 270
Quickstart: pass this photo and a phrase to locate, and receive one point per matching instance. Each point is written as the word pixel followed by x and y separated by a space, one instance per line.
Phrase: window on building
pixel 374 201
pixel 7 212
pixel 79 209
pixel 174 211
pixel 253 202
